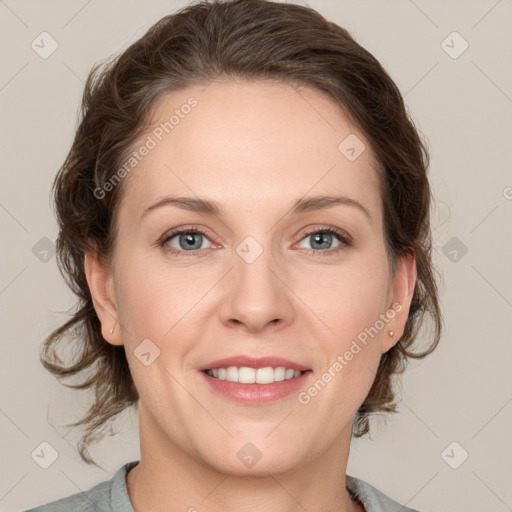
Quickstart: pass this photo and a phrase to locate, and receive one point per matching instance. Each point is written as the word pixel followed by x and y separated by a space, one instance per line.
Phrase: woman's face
pixel 249 281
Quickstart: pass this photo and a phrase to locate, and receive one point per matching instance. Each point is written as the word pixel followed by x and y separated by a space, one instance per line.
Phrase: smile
pixel 246 375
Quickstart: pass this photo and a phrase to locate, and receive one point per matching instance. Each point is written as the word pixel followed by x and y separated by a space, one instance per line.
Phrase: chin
pixel 243 458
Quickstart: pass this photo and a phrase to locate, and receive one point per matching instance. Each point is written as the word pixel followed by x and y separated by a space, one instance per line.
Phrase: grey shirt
pixel 112 496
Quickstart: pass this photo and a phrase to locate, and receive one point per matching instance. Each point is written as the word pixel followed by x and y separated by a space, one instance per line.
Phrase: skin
pixel 255 148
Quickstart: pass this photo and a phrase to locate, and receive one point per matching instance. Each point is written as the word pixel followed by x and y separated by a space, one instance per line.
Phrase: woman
pixel 244 216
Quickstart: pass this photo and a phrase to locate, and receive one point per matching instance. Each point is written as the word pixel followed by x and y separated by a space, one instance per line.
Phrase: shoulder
pixel 107 496
pixel 373 499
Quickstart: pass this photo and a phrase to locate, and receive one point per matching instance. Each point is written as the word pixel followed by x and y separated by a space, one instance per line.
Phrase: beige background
pixel 462 393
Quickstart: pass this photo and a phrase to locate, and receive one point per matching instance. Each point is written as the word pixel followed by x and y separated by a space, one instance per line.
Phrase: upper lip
pixel 254 362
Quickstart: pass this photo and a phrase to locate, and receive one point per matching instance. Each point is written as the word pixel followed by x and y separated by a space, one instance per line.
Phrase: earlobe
pixel 403 284
pixel 100 281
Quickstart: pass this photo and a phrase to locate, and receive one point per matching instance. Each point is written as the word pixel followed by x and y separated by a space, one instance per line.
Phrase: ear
pixel 402 291
pixel 101 285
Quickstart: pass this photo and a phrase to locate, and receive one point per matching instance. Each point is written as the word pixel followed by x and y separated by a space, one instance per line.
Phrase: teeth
pixel 232 374
pixel 279 373
pixel 246 375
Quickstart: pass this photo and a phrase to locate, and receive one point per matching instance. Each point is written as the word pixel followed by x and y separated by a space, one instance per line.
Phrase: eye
pixel 182 241
pixel 323 238
pixel 190 241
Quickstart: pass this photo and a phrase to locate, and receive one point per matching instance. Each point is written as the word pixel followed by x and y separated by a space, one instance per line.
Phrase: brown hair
pixel 245 39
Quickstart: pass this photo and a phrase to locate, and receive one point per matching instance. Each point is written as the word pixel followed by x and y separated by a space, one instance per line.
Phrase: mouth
pixel 251 380
pixel 248 375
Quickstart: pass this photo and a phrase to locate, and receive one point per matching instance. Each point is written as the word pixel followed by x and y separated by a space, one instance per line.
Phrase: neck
pixel 168 475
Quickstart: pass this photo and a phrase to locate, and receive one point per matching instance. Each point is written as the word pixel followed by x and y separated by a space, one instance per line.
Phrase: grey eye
pixel 187 241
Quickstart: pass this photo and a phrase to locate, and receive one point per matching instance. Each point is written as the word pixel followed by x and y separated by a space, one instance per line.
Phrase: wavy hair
pixel 232 39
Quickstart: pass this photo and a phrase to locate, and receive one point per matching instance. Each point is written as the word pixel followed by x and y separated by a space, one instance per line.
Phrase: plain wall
pixel 461 393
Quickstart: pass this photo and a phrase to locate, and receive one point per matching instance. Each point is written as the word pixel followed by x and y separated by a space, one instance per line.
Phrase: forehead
pixel 251 145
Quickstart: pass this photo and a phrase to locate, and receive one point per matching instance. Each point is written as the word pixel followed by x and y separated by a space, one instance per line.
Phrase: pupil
pixel 318 237
pixel 189 240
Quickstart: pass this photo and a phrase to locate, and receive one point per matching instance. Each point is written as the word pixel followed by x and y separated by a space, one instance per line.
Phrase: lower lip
pixel 256 393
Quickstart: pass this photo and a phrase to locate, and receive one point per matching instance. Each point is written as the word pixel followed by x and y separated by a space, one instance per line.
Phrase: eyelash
pixel 344 239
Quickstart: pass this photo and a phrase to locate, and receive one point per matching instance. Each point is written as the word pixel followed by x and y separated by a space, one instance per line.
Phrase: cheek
pixel 152 299
pixel 352 309
pixel 352 300
pixel 155 299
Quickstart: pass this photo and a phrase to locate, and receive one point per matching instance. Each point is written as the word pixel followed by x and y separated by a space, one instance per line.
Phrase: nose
pixel 257 295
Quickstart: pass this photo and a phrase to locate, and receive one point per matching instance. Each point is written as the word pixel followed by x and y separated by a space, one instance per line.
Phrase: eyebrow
pixel 303 205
